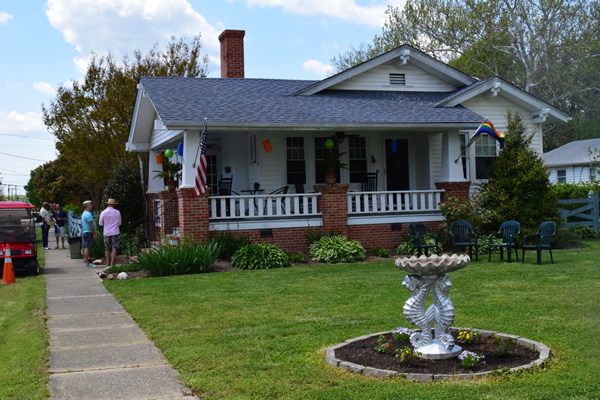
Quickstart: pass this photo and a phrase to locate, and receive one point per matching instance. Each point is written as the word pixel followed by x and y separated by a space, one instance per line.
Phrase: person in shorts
pixel 110 219
pixel 88 228
pixel 60 217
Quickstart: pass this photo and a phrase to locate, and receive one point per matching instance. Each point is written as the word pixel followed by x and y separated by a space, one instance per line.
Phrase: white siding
pixel 574 174
pixel 378 78
pixel 435 157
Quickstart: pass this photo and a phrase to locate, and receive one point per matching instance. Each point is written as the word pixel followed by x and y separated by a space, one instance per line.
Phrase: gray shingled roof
pixel 572 153
pixel 269 101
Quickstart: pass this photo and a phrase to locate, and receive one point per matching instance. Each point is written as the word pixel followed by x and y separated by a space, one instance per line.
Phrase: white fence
pixel 263 206
pixel 394 202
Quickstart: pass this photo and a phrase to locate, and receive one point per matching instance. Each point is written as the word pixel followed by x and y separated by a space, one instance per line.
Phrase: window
pixel 319 152
pixel 357 152
pixel 593 173
pixel 212 174
pixel 463 154
pixel 295 160
pixel 561 176
pixel 485 155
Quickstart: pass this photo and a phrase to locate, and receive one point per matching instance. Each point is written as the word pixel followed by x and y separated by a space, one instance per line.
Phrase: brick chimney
pixel 232 53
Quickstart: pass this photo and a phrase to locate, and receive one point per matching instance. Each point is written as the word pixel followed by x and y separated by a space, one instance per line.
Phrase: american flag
pixel 200 185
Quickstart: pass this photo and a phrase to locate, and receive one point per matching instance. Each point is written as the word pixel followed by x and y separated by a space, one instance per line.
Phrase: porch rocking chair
pixel 462 234
pixel 509 230
pixel 545 231
pixel 418 232
pixel 369 183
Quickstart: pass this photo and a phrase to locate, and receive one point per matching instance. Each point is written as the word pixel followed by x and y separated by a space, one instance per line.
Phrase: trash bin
pixel 75 247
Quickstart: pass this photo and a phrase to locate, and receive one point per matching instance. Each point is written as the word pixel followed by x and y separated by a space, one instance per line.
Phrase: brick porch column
pixel 333 206
pixel 456 189
pixel 193 213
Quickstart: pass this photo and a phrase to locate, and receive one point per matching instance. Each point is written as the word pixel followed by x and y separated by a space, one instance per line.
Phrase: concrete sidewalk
pixel 96 350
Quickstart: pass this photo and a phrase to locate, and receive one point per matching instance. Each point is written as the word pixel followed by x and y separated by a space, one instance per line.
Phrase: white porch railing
pixel 263 206
pixel 393 202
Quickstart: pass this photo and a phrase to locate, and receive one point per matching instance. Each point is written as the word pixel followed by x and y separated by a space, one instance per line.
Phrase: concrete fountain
pixel 430 274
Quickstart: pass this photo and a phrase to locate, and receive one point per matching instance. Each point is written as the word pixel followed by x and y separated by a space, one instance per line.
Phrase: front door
pixel 396 165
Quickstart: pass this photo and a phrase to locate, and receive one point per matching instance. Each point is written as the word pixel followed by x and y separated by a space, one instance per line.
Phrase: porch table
pixel 253 192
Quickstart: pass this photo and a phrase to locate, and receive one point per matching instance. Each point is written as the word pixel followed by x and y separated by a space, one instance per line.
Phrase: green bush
pixel 297 258
pixel 575 190
pixel 131 244
pixel 314 236
pixel 381 252
pixel 518 187
pixel 229 243
pixel 260 256
pixel 406 248
pixel 186 258
pixel 336 249
pixel 484 245
pixel 566 238
pixel 583 231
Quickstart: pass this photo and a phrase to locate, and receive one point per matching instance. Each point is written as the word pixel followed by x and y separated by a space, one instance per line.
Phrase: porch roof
pixel 264 103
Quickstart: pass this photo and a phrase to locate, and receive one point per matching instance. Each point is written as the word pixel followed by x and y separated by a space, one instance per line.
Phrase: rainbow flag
pixel 487 128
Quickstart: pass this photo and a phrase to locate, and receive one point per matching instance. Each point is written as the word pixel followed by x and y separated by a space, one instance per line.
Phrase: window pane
pixel 295 161
pixel 357 148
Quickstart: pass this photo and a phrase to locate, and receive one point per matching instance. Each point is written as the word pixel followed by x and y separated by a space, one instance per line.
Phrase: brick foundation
pixel 193 215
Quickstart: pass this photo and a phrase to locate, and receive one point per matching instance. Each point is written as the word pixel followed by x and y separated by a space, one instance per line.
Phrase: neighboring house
pixel 574 162
pixel 402 115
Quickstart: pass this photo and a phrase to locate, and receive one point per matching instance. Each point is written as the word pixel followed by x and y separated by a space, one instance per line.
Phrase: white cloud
pixel 371 15
pixel 121 26
pixel 15 122
pixel 4 17
pixel 44 88
pixel 317 67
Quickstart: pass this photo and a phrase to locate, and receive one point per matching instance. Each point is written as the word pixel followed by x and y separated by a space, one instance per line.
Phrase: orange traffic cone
pixel 8 276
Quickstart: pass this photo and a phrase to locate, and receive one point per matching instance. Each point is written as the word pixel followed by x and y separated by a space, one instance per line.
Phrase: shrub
pixel 297 258
pixel 134 242
pixel 484 245
pixel 406 248
pixel 380 252
pixel 125 186
pixel 336 249
pixel 260 256
pixel 314 236
pixel 566 238
pixel 186 258
pixel 518 187
pixel 229 243
pixel 583 231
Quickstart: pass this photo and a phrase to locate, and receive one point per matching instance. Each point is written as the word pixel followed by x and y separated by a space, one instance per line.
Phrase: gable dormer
pixel 402 69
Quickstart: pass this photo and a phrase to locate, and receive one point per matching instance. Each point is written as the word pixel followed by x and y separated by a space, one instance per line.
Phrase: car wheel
pixel 34 268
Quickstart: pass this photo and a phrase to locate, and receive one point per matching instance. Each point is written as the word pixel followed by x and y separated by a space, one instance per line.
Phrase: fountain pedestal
pixel 430 274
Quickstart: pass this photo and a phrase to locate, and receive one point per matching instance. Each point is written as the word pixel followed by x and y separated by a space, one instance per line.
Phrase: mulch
pixel 363 352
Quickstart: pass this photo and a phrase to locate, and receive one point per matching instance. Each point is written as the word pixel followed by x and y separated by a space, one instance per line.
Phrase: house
pixel 574 162
pixel 402 117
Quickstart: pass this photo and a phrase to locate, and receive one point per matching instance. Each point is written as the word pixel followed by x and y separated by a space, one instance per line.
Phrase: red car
pixel 17 229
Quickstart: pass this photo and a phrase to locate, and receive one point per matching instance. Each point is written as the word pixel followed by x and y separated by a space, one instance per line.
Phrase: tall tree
pixel 549 48
pixel 92 119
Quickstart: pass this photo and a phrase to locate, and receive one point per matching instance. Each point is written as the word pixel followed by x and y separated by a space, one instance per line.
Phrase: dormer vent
pixel 397 79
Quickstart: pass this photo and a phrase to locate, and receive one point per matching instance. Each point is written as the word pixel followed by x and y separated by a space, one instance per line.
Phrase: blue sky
pixel 45 44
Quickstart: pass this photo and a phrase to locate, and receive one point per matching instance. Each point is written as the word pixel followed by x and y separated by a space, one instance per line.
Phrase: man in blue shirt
pixel 88 226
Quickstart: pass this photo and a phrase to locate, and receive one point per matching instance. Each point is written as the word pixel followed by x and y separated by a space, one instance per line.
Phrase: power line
pixel 29 137
pixel 10 170
pixel 27 158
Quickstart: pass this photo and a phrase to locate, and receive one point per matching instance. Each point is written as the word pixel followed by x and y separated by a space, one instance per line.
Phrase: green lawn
pixel 261 334
pixel 23 337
